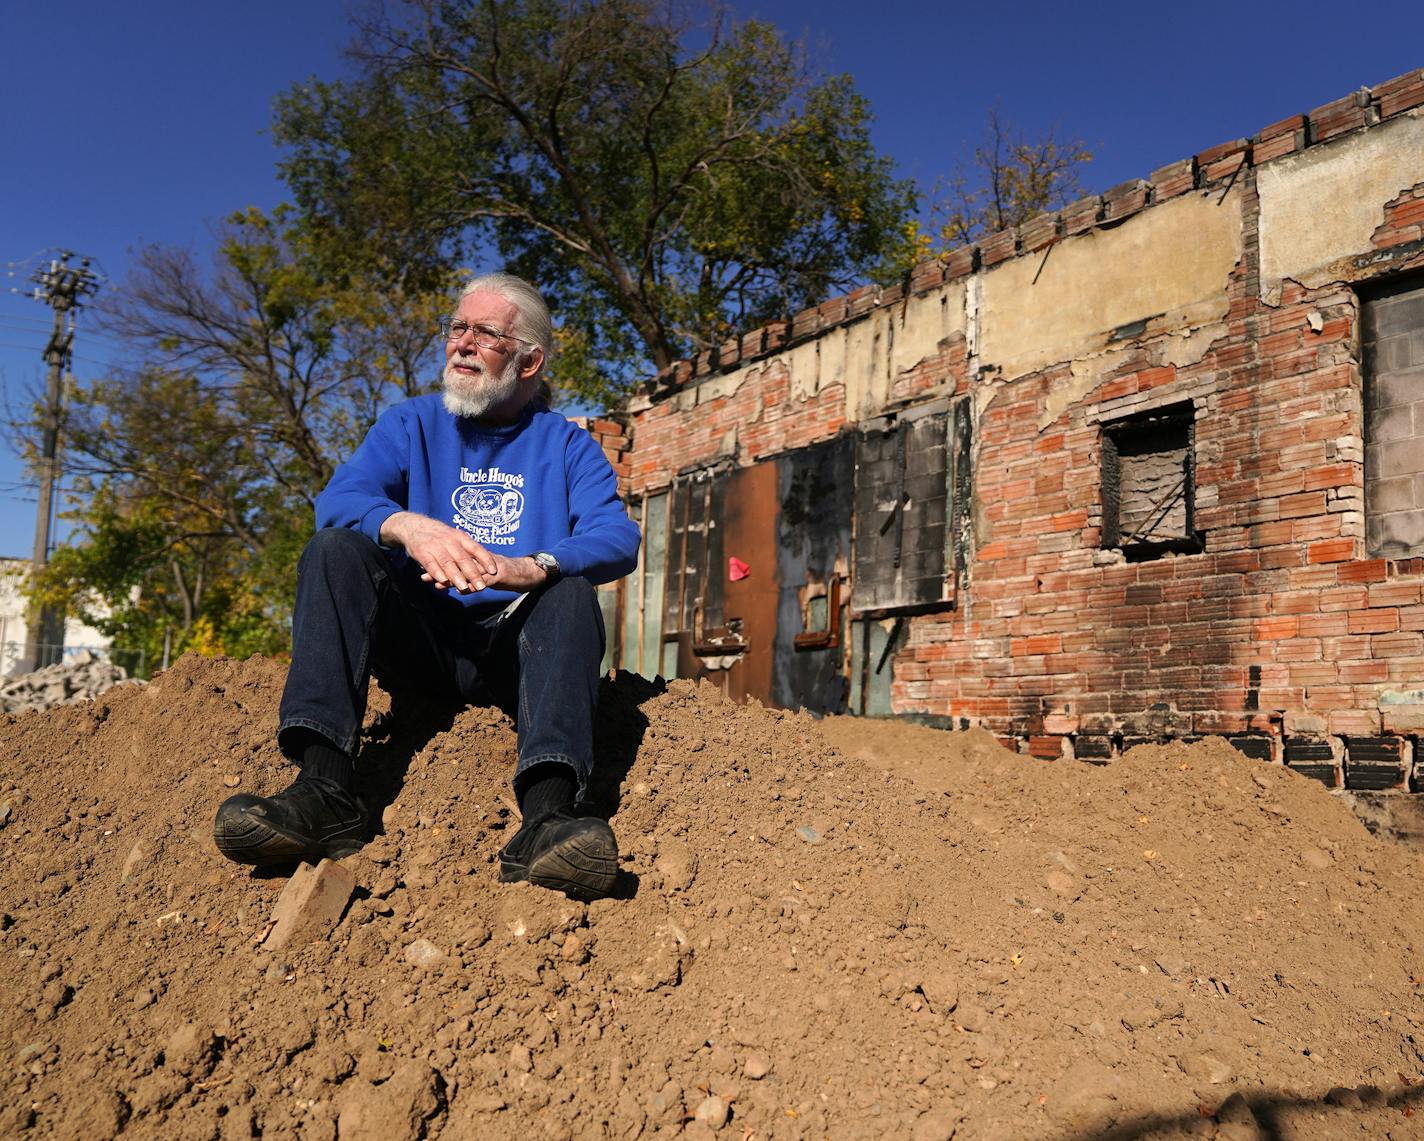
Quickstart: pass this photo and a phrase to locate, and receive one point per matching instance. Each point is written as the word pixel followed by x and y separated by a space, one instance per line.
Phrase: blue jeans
pixel 357 613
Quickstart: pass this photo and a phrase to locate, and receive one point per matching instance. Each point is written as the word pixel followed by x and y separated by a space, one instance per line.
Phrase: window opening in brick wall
pixel 643 591
pixel 1148 484
pixel 903 514
pixel 1392 339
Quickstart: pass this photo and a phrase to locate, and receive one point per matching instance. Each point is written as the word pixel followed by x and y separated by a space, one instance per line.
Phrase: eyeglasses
pixel 454 329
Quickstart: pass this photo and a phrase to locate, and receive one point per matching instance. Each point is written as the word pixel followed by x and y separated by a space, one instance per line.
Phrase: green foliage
pixel 1010 180
pixel 660 197
pixel 194 475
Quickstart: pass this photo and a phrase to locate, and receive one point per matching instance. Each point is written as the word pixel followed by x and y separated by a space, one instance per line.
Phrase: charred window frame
pixel 1149 484
pixel 910 502
pixel 1392 364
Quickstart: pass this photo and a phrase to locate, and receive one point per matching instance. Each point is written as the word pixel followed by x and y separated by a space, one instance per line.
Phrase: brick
pixel 1363 570
pixel 998 247
pixel 1038 232
pixel 1170 181
pixel 1126 199
pixel 1395 593
pixel 862 300
pixel 1381 621
pixel 1355 721
pixel 1338 117
pixel 960 262
pixel 1093 748
pixel 1286 126
pixel 1330 551
pixel 805 323
pixel 1081 215
pixel 1258 748
pixel 926 275
pixel 1223 150
pixel 1047 747
pixel 834 311
pixel 311 905
pixel 1399 94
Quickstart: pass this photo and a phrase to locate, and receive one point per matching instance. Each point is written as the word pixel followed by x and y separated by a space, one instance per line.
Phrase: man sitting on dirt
pixel 457 551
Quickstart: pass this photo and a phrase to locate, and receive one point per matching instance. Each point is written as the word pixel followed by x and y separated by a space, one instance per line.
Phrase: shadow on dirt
pixel 1264 1115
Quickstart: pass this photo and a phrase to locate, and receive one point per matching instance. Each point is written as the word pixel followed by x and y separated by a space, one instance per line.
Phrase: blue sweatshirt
pixel 541 484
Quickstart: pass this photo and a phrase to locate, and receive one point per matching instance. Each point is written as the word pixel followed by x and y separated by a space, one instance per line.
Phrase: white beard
pixel 473 396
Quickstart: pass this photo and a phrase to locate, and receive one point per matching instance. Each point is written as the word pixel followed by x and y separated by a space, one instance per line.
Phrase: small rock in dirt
pixel 941 991
pixel 936 1125
pixel 677 864
pixel 423 953
pixel 756 1067
pixel 809 834
pixel 137 856
pixel 396 1110
pixel 190 1050
pixel 231 780
pixel 1086 1096
pixel 531 915
pixel 1316 858
pixel 521 1060
pixel 311 904
pixel 712 1111
pixel 1206 1065
pixel 665 1106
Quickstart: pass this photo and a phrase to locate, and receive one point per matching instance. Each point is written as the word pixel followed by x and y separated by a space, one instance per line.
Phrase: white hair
pixel 533 323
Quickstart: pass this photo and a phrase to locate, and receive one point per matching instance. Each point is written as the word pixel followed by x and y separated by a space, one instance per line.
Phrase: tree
pixel 1011 179
pixel 662 197
pixel 195 474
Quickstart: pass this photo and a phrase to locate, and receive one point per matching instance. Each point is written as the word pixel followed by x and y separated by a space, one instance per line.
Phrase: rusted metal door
pixel 813 529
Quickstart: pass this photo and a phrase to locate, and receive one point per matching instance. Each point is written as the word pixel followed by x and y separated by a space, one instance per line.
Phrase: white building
pixel 14 623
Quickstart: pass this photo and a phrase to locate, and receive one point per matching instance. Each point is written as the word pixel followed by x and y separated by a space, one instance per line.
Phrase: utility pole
pixel 63 288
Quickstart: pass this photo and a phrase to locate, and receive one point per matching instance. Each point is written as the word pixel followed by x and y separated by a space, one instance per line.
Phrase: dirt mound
pixel 848 929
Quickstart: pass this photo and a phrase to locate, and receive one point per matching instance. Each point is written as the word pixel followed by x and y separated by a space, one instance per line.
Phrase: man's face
pixel 493 383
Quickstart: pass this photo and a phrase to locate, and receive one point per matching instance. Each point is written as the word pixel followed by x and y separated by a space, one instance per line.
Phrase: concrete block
pixel 311 904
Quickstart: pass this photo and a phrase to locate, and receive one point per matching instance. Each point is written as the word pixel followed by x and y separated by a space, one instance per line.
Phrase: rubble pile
pixel 82 677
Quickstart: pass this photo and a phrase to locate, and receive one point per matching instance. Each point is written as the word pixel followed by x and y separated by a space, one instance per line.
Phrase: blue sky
pixel 145 121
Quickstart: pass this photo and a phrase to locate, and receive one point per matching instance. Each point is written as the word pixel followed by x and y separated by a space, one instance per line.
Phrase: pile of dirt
pixel 843 929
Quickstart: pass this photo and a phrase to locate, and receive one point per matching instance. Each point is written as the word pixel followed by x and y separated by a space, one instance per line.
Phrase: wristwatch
pixel 550 566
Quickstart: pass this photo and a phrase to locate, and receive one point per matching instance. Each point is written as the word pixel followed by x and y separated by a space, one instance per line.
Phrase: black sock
pixel 545 788
pixel 318 757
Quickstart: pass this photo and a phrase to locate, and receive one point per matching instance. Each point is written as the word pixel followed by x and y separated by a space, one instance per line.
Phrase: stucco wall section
pixel 919 324
pixel 803 363
pixel 1319 208
pixel 889 343
pixel 1171 262
pixel 865 365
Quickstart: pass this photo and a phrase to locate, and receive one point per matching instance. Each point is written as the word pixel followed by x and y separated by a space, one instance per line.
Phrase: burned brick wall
pixel 1150 466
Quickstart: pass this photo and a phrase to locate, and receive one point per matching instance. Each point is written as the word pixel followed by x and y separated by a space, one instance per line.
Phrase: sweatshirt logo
pixel 490 512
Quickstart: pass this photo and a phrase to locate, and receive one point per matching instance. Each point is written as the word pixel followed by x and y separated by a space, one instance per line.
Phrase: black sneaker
pixel 576 855
pixel 312 819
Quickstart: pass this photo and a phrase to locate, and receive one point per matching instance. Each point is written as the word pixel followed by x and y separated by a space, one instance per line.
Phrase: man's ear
pixel 532 363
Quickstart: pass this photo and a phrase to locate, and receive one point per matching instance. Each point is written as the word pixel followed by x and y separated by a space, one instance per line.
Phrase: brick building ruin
pixel 1150 467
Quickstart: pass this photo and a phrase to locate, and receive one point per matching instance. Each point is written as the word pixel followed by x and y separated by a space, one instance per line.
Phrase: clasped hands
pixel 453 560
